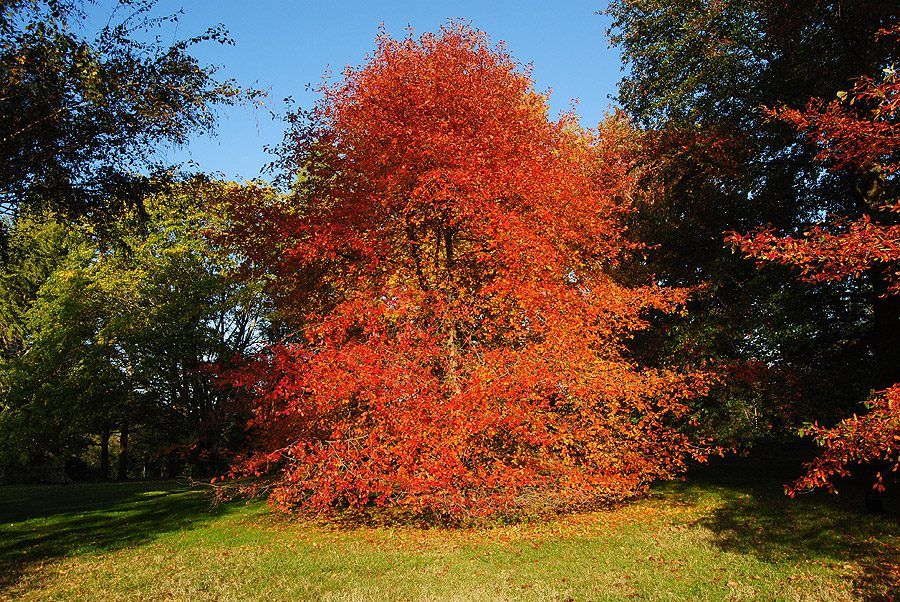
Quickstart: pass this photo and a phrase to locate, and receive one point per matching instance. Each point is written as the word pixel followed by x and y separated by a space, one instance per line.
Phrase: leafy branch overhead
pixel 82 119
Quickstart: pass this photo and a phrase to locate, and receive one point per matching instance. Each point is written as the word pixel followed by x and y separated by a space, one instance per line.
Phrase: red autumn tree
pixel 448 266
pixel 858 133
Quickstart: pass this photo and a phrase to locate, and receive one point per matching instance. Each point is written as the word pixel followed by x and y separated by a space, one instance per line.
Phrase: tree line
pixel 449 300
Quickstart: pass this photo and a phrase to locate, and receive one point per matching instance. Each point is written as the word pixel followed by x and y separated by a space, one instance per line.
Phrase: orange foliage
pixel 873 437
pixel 448 265
pixel 854 247
pixel 858 133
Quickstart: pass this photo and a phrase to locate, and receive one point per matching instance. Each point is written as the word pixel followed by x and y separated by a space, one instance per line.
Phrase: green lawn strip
pixel 697 541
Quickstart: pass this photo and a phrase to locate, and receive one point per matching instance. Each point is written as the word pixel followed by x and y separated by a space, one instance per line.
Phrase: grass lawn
pixel 719 536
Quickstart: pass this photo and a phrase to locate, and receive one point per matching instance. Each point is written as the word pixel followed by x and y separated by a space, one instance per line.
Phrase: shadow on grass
pixel 835 530
pixel 42 523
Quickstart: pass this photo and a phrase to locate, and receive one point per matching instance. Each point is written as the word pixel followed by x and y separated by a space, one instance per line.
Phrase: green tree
pixel 115 339
pixel 82 118
pixel 175 309
pixel 698 78
pixel 53 375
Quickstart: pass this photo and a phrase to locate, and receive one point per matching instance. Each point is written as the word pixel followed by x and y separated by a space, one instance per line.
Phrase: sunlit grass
pixel 705 540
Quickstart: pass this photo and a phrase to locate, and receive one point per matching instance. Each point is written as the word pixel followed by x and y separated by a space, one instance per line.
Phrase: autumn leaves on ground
pixel 457 346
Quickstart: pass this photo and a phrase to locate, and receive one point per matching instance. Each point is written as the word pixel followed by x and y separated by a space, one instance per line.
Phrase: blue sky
pixel 284 45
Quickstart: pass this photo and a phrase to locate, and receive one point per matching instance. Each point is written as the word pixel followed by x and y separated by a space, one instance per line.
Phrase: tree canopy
pixel 82 118
pixel 459 327
pixel 115 339
pixel 449 300
pixel 723 91
pixel 857 133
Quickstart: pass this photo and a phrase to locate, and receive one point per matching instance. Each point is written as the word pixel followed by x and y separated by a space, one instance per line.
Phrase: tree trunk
pixel 171 465
pixel 452 339
pixel 104 454
pixel 123 452
pixel 885 330
pixel 885 337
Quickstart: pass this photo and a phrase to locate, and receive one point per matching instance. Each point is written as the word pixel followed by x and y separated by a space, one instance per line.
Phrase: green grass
pixel 712 538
